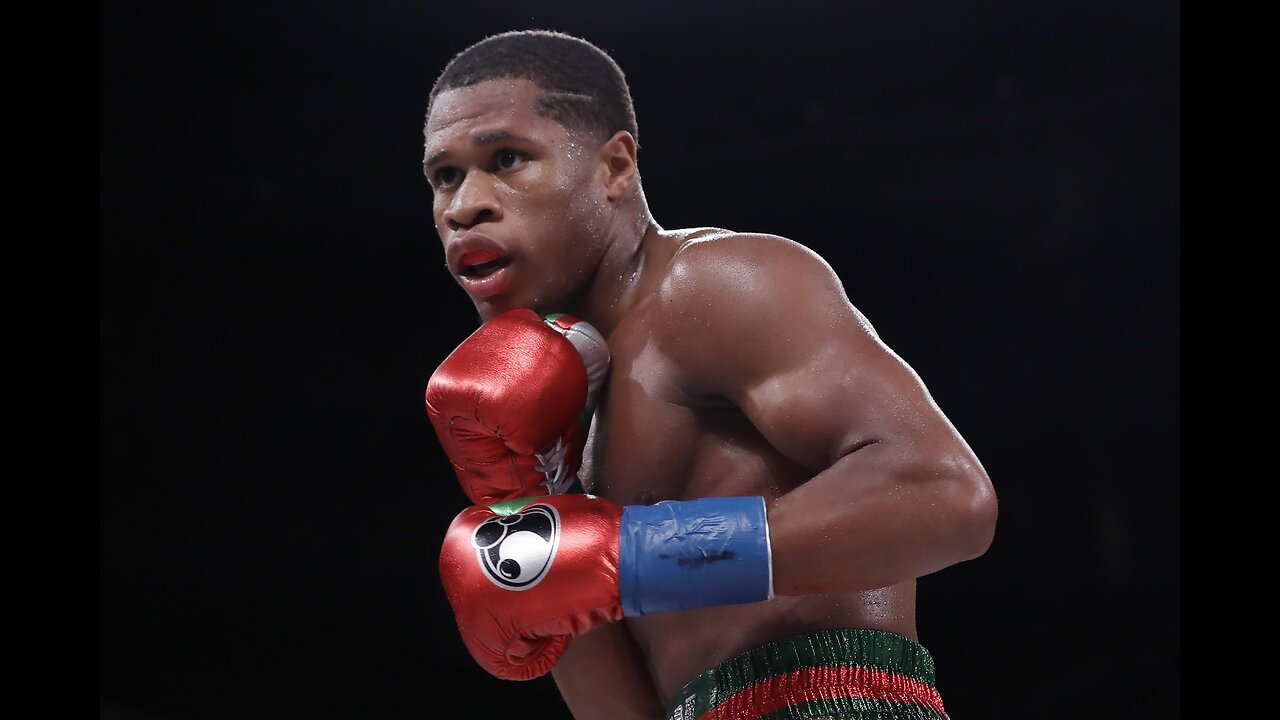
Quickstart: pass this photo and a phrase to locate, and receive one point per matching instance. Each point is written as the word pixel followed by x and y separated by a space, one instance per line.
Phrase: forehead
pixel 501 104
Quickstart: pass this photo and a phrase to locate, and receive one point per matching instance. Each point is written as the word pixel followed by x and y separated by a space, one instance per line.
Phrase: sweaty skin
pixel 739 368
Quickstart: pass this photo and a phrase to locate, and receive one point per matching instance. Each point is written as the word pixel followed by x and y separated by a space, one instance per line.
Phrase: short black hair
pixel 584 88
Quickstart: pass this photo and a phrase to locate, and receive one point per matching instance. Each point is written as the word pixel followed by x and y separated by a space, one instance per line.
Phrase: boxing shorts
pixel 843 674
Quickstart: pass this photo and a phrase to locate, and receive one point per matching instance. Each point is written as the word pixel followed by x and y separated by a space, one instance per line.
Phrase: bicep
pixel 784 344
pixel 786 347
pixel 831 390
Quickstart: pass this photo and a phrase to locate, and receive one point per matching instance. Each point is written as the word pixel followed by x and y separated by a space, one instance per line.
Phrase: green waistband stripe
pixel 874 650
pixel 824 648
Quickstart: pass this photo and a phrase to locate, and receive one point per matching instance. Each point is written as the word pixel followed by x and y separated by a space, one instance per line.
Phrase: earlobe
pixel 619 164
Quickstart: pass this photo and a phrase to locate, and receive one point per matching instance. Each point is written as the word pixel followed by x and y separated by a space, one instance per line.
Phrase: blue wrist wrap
pixel 681 555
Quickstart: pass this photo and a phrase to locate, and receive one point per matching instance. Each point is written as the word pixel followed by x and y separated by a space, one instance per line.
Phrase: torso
pixel 654 439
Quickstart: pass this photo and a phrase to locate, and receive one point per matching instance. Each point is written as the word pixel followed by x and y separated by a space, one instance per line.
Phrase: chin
pixel 492 308
pixel 487 313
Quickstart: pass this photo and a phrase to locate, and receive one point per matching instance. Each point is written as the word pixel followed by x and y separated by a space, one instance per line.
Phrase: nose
pixel 473 203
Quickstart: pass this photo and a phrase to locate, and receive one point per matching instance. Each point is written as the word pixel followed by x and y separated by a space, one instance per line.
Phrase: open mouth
pixel 482 263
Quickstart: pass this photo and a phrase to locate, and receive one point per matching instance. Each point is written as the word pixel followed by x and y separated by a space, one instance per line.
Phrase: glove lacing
pixel 551 463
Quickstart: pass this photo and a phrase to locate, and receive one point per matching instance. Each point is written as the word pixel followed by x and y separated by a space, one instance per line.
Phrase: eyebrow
pixel 488 138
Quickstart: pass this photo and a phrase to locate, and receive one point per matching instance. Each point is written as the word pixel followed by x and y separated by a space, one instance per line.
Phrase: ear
pixel 618 156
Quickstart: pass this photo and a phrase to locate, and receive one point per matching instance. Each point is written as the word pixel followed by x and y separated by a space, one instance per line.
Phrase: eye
pixel 448 177
pixel 507 159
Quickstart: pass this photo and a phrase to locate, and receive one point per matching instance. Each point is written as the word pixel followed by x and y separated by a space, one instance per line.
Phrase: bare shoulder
pixel 746 299
pixel 719 275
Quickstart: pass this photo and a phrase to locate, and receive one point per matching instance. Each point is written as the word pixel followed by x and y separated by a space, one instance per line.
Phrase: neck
pixel 621 275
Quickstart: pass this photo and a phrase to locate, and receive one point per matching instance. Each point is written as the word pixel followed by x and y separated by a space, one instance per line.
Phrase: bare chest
pixel 652 440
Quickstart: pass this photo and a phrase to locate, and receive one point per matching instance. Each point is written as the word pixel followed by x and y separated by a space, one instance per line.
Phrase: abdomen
pixel 679 646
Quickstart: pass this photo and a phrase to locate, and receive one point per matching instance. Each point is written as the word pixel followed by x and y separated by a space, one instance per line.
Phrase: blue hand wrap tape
pixel 681 555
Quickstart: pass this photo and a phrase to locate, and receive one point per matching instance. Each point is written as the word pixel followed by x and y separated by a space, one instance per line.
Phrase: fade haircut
pixel 582 87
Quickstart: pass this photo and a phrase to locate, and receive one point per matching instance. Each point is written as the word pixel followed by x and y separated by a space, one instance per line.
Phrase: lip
pixel 470 249
pixel 469 245
pixel 487 286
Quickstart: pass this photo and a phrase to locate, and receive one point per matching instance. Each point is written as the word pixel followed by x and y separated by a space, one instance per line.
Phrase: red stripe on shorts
pixel 813 683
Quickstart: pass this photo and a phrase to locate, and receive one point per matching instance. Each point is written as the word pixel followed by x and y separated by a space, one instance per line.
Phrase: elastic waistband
pixel 828 673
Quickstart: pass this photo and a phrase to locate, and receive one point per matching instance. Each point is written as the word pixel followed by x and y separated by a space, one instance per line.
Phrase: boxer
pixel 763 478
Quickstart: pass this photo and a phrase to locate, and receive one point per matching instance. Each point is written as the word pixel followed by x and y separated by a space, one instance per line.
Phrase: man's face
pixel 519 199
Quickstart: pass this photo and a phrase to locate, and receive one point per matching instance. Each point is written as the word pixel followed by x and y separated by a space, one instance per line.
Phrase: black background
pixel 996 183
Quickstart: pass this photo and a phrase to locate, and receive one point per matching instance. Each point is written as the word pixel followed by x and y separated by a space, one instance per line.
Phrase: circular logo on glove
pixel 516 550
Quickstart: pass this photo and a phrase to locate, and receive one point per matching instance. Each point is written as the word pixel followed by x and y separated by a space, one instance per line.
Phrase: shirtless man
pixel 744 387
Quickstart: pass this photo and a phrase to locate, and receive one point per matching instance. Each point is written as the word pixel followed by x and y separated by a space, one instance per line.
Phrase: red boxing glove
pixel 511 404
pixel 489 553
pixel 526 575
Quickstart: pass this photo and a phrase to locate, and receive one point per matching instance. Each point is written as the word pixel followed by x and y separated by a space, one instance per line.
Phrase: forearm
pixel 876 518
pixel 582 561
pixel 603 676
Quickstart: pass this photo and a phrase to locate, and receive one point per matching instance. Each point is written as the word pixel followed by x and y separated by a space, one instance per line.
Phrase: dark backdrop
pixel 996 183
